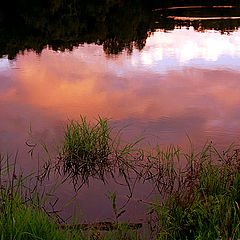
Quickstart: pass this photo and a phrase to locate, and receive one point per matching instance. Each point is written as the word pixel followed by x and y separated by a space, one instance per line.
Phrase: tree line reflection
pixel 116 25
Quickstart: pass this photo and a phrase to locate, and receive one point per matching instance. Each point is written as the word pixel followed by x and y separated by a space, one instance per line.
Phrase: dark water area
pixel 161 71
pixel 116 25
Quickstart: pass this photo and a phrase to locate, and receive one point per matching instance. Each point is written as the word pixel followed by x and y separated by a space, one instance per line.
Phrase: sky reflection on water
pixel 182 82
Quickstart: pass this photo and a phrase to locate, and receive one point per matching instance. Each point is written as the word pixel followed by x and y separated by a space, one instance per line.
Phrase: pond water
pixel 183 80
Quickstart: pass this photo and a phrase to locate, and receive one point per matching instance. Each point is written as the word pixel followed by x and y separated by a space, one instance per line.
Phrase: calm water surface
pixel 182 82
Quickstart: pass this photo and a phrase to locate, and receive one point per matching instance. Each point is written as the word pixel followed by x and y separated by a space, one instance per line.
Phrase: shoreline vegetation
pixel 199 191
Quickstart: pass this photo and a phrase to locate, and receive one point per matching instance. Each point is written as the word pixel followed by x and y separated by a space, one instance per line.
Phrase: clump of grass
pixel 26 221
pixel 89 151
pixel 22 210
pixel 86 149
pixel 206 206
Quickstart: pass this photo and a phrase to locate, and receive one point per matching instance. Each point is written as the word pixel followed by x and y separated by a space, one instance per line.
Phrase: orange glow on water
pixel 158 99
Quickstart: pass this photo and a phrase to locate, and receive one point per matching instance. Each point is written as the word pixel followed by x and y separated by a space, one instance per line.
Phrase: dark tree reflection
pixel 116 24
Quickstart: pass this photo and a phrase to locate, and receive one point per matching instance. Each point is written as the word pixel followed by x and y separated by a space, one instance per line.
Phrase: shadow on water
pixel 116 25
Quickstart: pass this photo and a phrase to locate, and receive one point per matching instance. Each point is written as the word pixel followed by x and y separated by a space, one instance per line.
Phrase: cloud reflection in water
pixel 183 81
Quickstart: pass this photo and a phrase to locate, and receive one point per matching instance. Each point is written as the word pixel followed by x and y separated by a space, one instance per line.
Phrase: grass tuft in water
pixel 86 149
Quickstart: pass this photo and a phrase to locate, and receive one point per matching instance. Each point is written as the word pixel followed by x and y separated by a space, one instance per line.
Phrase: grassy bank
pixel 199 191
pixel 206 203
